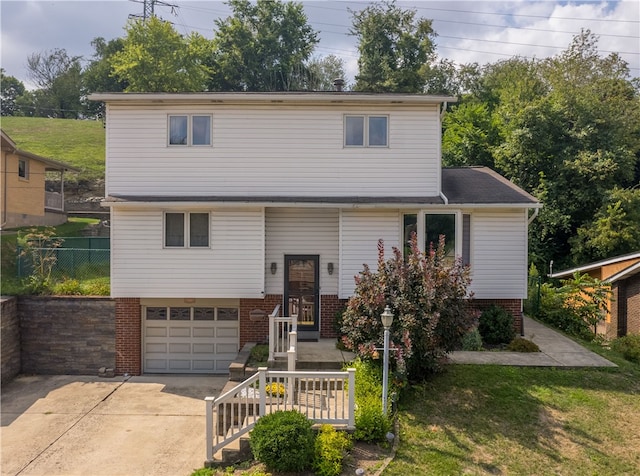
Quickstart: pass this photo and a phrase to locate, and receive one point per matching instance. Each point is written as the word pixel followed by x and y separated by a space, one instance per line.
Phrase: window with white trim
pixel 186 230
pixel 366 131
pixel 190 130
pixel 428 227
pixel 23 169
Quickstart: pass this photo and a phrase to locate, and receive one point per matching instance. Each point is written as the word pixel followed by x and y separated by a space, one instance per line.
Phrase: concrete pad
pixel 69 425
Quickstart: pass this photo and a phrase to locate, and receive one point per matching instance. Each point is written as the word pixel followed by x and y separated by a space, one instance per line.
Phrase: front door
pixel 302 292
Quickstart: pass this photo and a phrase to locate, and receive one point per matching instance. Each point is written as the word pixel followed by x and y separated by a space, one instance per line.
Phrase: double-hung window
pixel 190 130
pixel 366 131
pixel 186 230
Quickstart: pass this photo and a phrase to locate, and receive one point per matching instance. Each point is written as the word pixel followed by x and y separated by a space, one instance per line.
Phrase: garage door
pixel 180 339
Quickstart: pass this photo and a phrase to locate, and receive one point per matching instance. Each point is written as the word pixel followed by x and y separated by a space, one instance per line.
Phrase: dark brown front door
pixel 302 289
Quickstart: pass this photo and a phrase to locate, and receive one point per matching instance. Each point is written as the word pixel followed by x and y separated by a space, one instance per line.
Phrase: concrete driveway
pixel 78 425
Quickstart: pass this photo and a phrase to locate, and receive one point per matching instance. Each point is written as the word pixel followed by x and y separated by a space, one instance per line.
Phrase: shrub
pixel 371 424
pixel 522 345
pixel 628 346
pixel 496 326
pixel 429 298
pixel 330 449
pixel 67 287
pixel 283 441
pixel 472 340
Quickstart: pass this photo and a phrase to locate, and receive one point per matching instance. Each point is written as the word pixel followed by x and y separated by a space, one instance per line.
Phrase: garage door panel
pixel 209 365
pixel 175 348
pixel 203 332
pixel 227 332
pixel 179 332
pixel 155 348
pixel 156 331
pixel 203 348
pixel 223 365
pixel 158 365
pixel 177 365
pixel 226 349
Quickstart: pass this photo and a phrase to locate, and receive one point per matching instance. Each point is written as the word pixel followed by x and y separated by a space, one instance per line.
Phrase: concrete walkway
pixel 81 425
pixel 556 350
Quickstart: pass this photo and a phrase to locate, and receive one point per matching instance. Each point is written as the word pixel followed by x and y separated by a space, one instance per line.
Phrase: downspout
pixel 533 217
pixel 4 189
pixel 442 113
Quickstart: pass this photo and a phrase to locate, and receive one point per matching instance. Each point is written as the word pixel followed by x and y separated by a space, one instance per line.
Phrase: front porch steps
pixel 320 355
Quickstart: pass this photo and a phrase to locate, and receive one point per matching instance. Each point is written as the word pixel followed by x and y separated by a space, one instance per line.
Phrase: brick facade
pixel 10 335
pixel 128 336
pixel 512 306
pixel 632 294
pixel 257 330
pixel 625 304
pixel 330 306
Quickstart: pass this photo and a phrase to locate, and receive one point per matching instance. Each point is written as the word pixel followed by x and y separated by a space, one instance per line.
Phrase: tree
pixel 395 49
pixel 614 229
pixel 98 76
pixel 429 299
pixel 323 71
pixel 469 136
pixel 155 58
pixel 262 47
pixel 10 90
pixel 59 78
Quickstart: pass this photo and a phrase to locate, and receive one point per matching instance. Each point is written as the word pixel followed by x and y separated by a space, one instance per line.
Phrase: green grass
pixel 75 142
pixel 511 420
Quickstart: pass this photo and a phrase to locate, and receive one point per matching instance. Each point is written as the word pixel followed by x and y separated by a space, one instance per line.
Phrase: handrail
pixel 280 328
pixel 324 397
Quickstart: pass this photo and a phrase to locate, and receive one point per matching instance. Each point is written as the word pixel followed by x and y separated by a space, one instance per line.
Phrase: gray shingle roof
pixel 481 185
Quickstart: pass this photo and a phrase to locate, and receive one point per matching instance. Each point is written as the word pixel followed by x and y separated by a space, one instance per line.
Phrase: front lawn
pixel 510 420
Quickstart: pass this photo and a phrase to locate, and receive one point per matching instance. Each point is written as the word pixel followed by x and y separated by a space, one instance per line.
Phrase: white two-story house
pixel 224 205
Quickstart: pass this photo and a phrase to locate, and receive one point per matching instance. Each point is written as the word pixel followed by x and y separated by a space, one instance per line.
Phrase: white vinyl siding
pixel 499 254
pixel 272 151
pixel 360 231
pixel 301 231
pixel 233 266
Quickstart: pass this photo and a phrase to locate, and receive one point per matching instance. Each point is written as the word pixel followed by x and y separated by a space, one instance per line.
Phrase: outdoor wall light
pixel 330 268
pixel 274 267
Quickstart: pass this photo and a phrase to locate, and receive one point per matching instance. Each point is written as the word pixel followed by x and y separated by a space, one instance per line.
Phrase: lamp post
pixel 387 320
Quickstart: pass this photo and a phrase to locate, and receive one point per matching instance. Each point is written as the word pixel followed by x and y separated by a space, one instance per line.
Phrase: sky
pixel 468 31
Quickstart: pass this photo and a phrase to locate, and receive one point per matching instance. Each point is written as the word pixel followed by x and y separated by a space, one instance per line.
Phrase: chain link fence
pixel 77 258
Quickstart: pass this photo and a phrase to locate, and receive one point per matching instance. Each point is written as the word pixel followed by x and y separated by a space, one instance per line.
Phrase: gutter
pixel 536 211
pixel 444 198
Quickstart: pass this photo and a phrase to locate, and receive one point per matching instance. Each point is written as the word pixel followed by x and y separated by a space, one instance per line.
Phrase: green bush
pixel 472 340
pixel 522 345
pixel 628 346
pixel 496 326
pixel 283 441
pixel 330 449
pixel 371 424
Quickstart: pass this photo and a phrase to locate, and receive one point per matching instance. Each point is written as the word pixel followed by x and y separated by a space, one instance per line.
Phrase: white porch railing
pixel 54 200
pixel 280 330
pixel 324 397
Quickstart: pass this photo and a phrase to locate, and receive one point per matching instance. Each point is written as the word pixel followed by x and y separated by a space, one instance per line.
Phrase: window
pixel 428 228
pixel 23 169
pixel 366 131
pixel 189 130
pixel 186 228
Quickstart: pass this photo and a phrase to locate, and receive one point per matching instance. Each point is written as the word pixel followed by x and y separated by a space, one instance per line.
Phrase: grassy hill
pixel 77 143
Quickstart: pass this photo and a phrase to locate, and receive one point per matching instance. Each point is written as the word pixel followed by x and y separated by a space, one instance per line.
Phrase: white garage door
pixel 179 339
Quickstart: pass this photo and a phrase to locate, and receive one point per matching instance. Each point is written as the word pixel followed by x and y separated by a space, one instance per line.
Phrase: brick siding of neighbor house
pixel 632 293
pixel 72 335
pixel 512 306
pixel 10 335
pixel 330 306
pixel 128 336
pixel 615 307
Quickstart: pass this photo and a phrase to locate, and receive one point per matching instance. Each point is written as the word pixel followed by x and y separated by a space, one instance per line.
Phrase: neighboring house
pixel 24 200
pixel 623 273
pixel 224 205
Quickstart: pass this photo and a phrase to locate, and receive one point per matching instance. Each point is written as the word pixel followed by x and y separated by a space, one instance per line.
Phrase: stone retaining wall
pixel 66 335
pixel 10 335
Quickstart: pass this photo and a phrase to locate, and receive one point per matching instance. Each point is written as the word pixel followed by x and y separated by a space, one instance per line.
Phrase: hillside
pixel 75 142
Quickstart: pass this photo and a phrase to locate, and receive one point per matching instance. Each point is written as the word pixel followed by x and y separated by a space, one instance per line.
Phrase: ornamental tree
pixel 428 295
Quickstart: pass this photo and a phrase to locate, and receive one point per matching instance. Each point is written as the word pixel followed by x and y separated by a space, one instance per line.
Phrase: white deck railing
pixel 324 397
pixel 54 200
pixel 280 330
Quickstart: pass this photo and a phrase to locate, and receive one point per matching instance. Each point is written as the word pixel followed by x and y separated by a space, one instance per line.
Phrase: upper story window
pixel 23 169
pixel 186 230
pixel 189 130
pixel 366 131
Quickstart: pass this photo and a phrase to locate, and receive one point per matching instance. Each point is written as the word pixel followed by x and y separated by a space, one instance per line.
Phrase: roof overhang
pixel 597 264
pixel 322 98
pixel 51 165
